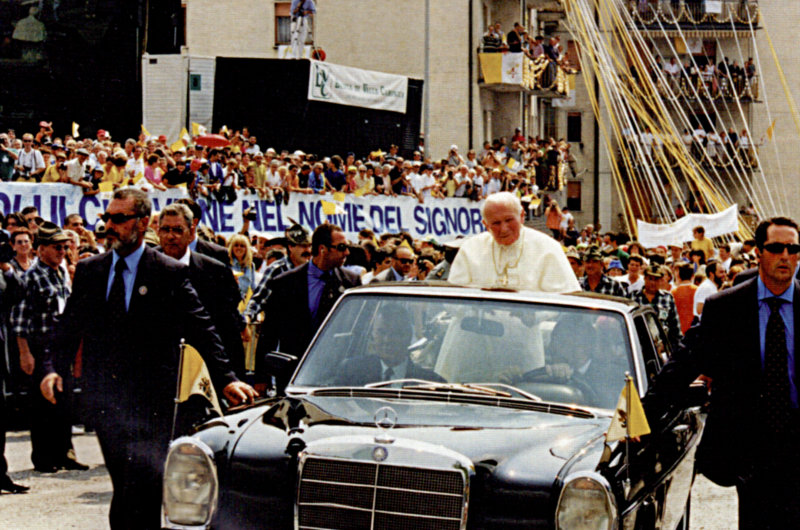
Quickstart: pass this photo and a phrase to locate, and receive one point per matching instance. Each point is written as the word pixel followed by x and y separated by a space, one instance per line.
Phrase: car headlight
pixel 586 503
pixel 190 484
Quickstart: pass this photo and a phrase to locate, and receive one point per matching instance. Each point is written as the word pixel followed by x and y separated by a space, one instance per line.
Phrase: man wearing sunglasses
pixel 33 320
pixel 301 298
pixel 131 309
pixel 403 259
pixel 747 344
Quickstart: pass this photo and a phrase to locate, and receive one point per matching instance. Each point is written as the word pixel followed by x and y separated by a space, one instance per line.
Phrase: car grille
pixel 344 495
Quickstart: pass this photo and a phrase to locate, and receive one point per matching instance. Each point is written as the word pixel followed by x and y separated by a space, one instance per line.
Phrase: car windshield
pixel 558 353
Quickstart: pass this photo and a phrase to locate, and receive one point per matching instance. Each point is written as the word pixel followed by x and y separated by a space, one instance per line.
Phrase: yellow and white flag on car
pixel 629 419
pixel 195 379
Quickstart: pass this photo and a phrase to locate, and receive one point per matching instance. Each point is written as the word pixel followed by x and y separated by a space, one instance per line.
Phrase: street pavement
pixel 80 499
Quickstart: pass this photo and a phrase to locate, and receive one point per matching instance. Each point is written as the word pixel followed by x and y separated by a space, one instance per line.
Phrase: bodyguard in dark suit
pixel 213 281
pixel 130 308
pixel 747 343
pixel 403 259
pixel 301 298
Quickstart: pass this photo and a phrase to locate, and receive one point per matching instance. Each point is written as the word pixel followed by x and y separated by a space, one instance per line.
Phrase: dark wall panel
pixel 270 97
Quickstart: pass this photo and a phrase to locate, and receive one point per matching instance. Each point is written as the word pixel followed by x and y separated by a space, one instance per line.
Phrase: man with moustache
pixel 510 254
pixel 213 281
pixel 403 259
pixel 130 309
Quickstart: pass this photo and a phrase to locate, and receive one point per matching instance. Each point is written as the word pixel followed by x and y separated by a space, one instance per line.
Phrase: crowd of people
pixel 519 164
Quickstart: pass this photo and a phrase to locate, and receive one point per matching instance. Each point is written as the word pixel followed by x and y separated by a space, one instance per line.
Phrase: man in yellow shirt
pixel 700 242
pixel 52 173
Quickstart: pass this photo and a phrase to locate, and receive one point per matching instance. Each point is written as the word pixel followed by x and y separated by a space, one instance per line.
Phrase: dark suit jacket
pixel 216 287
pixel 218 252
pixel 130 371
pixel 384 276
pixel 364 369
pixel 725 346
pixel 287 317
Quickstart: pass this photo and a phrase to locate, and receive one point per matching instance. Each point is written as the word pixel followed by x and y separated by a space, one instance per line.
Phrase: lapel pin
pixel 143 290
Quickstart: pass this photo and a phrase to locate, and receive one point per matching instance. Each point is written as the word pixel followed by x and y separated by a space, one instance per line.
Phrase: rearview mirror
pixel 482 326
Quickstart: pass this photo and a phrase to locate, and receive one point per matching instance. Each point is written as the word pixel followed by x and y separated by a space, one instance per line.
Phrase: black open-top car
pixel 442 407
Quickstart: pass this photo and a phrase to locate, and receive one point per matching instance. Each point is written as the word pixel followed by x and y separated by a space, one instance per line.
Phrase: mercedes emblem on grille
pixel 385 420
pixel 380 453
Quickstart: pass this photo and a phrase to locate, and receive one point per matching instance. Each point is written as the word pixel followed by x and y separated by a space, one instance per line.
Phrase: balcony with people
pixel 694 14
pixel 519 62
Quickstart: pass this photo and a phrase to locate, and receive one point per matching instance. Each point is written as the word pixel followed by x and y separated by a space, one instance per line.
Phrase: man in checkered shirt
pixel 595 280
pixel 662 301
pixel 33 319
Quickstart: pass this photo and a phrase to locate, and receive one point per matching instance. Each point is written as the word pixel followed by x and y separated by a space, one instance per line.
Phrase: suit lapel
pixel 753 338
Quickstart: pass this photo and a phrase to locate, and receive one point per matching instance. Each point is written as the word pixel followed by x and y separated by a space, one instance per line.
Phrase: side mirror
pixel 280 366
pixel 698 394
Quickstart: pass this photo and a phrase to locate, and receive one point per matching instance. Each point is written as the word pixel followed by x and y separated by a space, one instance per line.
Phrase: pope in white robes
pixel 510 254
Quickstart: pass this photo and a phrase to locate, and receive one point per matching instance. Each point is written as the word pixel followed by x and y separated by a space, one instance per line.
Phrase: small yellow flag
pixel 510 163
pixel 339 196
pixel 138 177
pixel 106 186
pixel 145 131
pixel 360 192
pixel 629 419
pixel 405 244
pixel 177 145
pixel 331 208
pixel 246 300
pixel 771 130
pixel 75 128
pixel 194 379
pixel 184 135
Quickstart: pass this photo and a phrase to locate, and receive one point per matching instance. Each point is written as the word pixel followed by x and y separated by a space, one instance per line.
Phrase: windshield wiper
pixel 485 389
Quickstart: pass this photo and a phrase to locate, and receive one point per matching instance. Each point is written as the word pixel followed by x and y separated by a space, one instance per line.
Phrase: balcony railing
pixel 703 88
pixel 694 12
pixel 723 158
pixel 511 72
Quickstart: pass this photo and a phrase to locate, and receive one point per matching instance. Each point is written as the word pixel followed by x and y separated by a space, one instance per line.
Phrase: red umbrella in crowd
pixel 212 140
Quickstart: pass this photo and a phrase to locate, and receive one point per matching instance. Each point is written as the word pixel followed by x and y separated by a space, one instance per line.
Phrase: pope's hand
pixel 48 383
pixel 238 392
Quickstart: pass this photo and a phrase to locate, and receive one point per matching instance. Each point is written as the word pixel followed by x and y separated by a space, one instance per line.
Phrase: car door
pixel 666 460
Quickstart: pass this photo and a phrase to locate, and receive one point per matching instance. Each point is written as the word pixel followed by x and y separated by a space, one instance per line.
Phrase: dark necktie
pixel 388 373
pixel 116 297
pixel 326 299
pixel 776 398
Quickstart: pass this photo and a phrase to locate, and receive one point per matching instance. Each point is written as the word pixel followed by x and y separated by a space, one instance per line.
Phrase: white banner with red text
pixel 442 219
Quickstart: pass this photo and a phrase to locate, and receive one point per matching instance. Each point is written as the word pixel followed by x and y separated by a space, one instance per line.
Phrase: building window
pixel 283 24
pixel 548 120
pixel 574 127
pixel 574 195
pixel 572 55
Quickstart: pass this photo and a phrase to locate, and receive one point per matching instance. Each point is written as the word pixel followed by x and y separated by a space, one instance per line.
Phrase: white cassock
pixel 534 262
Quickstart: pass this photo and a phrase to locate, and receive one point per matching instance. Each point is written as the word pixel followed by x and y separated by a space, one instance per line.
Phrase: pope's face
pixel 504 222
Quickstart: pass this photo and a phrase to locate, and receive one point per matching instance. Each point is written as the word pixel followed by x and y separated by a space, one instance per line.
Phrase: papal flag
pixel 629 419
pixel 331 208
pixel 75 128
pixel 194 378
pixel 146 132
pixel 771 130
pixel 184 135
pixel 198 130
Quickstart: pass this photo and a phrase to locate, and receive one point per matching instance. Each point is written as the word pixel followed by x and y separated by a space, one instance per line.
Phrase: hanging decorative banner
pixel 344 85
pixel 717 224
pixel 443 219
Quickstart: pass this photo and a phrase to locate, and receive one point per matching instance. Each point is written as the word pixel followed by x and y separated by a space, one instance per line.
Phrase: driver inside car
pixel 387 352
